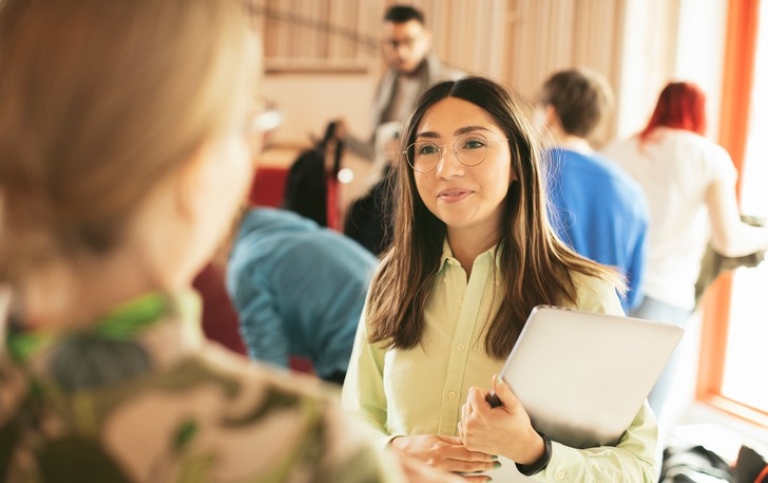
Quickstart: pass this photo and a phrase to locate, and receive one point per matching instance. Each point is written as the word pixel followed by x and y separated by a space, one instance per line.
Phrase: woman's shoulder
pixel 259 377
pixel 712 161
pixel 203 413
pixel 297 412
pixel 682 139
pixel 595 294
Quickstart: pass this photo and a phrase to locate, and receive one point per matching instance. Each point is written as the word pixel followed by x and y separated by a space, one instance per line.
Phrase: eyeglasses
pixel 469 149
pixel 259 122
pixel 264 119
pixel 407 42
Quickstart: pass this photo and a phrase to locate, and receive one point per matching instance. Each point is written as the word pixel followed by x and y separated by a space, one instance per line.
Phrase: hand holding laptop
pixel 503 431
pixel 578 377
pixel 445 452
pixel 582 376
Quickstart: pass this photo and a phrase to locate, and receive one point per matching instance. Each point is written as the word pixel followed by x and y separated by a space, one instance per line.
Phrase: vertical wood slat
pixel 311 34
pixel 496 17
pixel 289 33
pixel 336 47
pixel 515 41
pixel 548 35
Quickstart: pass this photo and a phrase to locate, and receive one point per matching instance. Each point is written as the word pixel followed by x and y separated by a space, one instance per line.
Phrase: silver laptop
pixel 581 376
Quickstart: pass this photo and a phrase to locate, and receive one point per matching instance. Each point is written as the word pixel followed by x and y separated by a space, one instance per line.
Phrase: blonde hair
pixel 99 101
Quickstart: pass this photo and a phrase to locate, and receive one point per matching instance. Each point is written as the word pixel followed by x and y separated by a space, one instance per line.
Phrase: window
pixel 748 328
pixel 736 324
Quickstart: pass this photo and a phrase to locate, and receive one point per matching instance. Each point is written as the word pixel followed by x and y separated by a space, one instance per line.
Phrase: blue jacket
pixel 299 289
pixel 601 212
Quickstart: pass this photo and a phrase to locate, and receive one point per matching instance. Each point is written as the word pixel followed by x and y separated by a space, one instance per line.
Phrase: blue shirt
pixel 298 288
pixel 602 213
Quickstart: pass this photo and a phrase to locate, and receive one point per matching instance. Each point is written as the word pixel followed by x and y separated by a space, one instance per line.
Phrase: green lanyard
pixel 123 323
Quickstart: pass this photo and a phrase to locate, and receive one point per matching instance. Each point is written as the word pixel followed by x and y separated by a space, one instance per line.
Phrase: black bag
pixel 306 185
pixel 751 467
pixel 692 465
pixel 369 219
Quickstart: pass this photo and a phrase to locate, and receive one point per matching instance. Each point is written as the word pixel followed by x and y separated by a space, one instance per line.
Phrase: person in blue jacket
pixel 596 208
pixel 298 289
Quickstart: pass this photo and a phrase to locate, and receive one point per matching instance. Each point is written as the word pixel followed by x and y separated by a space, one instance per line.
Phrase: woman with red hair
pixel 690 185
pixel 680 106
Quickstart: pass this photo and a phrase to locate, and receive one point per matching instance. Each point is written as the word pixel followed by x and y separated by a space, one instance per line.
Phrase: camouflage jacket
pixel 140 395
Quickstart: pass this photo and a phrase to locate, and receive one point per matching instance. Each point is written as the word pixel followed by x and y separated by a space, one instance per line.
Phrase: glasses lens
pixel 471 148
pixel 423 156
pixel 394 44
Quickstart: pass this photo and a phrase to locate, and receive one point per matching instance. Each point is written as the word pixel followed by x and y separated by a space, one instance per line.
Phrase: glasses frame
pixel 264 119
pixel 441 151
pixel 408 42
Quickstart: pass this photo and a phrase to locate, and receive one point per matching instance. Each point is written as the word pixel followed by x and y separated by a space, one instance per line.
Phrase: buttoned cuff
pixel 541 463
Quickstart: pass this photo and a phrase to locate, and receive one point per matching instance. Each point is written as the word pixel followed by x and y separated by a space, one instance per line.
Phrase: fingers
pixel 477 478
pixel 475 415
pixel 504 393
pixel 454 449
pixel 463 419
pixel 476 399
pixel 418 471
pixel 465 408
pixel 477 407
pixel 456 466
pixel 444 452
pixel 454 440
pixel 459 458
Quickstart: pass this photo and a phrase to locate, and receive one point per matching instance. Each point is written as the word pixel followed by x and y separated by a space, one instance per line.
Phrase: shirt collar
pixel 126 322
pixel 447 255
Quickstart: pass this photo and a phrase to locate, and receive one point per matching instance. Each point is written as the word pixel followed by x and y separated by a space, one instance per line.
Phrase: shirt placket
pixel 466 298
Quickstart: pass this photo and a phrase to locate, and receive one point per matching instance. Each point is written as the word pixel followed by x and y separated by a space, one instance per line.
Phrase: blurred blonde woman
pixel 125 133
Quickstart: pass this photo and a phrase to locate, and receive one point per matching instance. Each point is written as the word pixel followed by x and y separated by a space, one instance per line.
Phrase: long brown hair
pixel 535 265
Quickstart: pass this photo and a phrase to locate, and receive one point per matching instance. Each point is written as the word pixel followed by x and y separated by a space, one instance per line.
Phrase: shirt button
pixel 560 475
pixel 460 347
pixel 451 395
pixel 461 300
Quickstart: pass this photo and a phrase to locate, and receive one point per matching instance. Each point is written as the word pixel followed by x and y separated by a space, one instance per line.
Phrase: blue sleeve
pixel 637 267
pixel 261 324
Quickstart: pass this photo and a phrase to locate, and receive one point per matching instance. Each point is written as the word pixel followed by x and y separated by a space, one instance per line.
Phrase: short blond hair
pixel 100 99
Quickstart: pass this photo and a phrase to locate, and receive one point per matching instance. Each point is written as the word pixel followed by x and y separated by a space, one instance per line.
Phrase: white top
pixel 675 168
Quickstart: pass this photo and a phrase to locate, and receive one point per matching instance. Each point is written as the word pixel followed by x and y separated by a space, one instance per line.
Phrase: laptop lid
pixel 582 376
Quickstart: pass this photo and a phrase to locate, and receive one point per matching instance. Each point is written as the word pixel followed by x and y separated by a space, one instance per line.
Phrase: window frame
pixel 738 75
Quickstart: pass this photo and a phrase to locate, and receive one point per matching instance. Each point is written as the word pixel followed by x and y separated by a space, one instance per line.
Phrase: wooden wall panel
pixel 519 42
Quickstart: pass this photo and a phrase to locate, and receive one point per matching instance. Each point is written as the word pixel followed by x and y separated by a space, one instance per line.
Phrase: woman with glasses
pixel 472 254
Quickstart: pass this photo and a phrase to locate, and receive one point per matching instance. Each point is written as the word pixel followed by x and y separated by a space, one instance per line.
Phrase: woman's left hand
pixel 504 431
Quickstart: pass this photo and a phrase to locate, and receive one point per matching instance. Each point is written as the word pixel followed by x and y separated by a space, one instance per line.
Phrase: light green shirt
pixel 421 390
